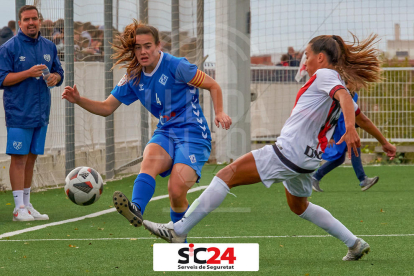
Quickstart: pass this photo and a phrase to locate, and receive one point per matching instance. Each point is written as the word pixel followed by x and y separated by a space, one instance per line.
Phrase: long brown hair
pixel 124 52
pixel 357 63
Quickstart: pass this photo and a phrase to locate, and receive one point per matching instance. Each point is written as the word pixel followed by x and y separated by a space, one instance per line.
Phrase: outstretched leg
pixel 156 160
pixel 322 218
pixel 242 172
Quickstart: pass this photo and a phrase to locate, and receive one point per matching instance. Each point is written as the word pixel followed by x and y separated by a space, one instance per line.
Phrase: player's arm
pixel 365 123
pixel 350 137
pixel 104 108
pixel 204 81
pixel 14 78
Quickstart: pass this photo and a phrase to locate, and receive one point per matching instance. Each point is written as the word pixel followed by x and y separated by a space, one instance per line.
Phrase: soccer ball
pixel 84 186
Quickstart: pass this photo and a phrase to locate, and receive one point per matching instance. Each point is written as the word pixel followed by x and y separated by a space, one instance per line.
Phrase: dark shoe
pixel 368 183
pixel 129 210
pixel 315 185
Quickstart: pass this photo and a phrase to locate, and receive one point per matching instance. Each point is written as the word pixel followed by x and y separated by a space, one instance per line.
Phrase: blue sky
pixel 276 24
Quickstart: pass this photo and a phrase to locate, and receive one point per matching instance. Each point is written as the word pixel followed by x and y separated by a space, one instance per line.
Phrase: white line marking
pixel 233 237
pixel 100 213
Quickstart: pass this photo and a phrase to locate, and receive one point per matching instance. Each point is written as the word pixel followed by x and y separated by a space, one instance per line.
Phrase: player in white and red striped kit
pixel 297 152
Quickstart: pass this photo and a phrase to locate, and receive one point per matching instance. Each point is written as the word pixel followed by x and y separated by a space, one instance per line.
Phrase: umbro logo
pixel 22 58
pixel 84 175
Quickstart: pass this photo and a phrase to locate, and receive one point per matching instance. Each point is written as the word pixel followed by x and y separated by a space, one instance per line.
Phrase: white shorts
pixel 272 170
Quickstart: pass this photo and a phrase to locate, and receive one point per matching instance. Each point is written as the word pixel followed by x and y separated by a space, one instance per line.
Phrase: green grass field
pixel 108 244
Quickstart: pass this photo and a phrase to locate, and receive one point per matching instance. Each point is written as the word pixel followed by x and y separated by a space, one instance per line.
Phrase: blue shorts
pixel 22 140
pixel 191 154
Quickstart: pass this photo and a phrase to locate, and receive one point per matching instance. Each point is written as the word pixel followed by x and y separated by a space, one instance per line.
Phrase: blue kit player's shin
pixel 144 187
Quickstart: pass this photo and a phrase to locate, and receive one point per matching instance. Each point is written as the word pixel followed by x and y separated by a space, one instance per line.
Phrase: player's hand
pixel 352 140
pixel 331 143
pixel 52 80
pixel 36 71
pixel 223 119
pixel 390 150
pixel 71 94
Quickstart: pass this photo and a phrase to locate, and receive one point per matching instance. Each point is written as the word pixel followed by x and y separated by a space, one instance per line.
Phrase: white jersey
pixel 312 122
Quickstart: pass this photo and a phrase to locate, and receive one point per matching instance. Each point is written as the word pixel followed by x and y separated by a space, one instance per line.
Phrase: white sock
pixel 322 218
pixel 209 200
pixel 18 198
pixel 26 196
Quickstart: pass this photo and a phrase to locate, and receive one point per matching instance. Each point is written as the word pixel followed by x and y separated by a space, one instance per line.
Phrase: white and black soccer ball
pixel 84 186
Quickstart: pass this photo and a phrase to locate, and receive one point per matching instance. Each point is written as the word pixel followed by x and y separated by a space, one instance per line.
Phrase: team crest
pixel 141 87
pixel 46 57
pixel 163 79
pixel 123 80
pixel 193 158
pixel 17 145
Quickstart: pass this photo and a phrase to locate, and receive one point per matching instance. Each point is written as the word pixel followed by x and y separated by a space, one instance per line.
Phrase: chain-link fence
pixel 252 48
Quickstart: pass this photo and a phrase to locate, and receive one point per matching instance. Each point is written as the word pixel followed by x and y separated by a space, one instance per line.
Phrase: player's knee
pixel 226 174
pixel 19 161
pixel 298 208
pixel 176 194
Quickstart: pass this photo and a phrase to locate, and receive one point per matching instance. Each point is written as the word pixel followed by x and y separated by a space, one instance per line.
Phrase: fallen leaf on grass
pixel 8 203
pixel 100 228
pixel 362 221
pixel 24 257
pixel 382 211
pixel 281 245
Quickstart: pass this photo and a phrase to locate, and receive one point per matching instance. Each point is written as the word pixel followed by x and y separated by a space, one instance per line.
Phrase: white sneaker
pixel 35 214
pixel 357 251
pixel 164 231
pixel 21 214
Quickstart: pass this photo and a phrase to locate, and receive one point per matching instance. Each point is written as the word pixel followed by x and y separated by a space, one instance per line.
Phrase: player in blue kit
pixel 167 87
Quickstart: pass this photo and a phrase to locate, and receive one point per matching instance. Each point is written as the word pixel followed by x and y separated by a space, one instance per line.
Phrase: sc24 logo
pixel 228 255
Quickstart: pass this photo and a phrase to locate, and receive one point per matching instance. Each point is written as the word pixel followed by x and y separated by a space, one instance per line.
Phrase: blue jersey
pixel 336 151
pixel 165 92
pixel 27 103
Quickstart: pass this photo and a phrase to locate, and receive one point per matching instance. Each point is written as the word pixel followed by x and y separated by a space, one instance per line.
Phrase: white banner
pixel 206 257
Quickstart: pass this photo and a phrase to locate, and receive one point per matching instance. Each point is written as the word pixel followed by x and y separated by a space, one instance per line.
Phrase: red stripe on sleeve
pixel 333 90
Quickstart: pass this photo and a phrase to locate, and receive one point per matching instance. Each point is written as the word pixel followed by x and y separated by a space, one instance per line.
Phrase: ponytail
pixel 357 63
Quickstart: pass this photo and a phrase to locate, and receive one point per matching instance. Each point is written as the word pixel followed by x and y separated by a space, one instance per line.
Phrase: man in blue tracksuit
pixel 27 104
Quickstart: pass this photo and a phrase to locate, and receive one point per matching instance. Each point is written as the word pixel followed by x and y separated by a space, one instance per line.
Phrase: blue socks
pixel 177 216
pixel 144 187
